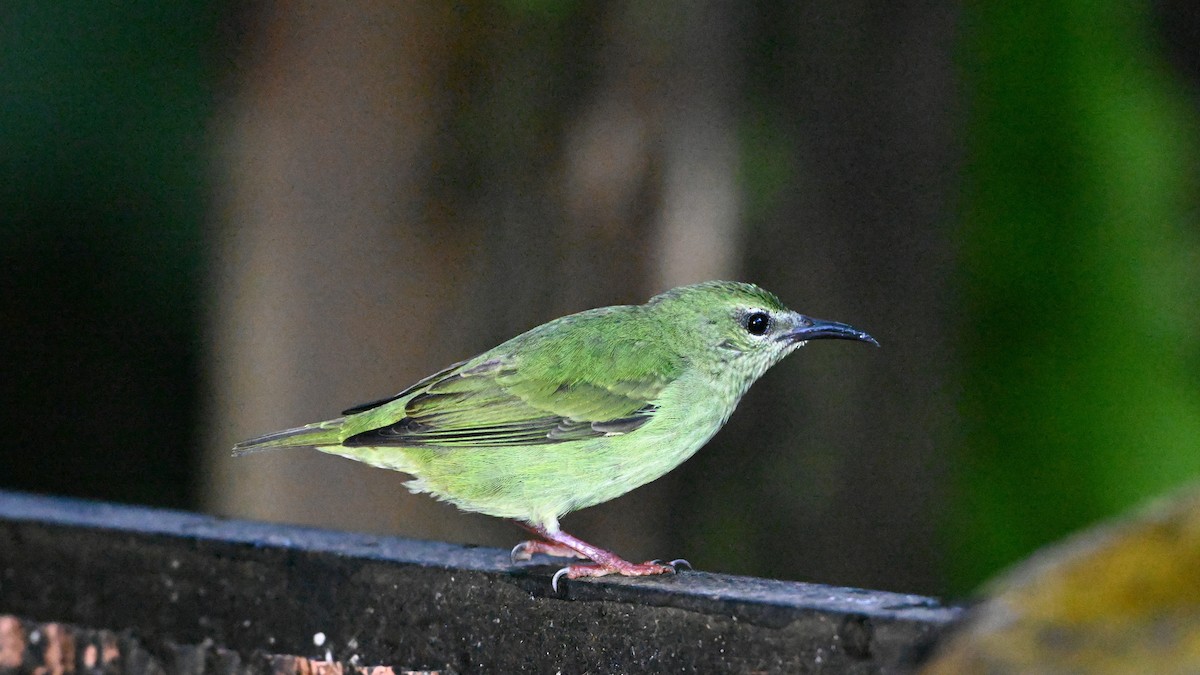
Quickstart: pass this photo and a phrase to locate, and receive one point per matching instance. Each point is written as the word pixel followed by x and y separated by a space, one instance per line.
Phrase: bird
pixel 574 412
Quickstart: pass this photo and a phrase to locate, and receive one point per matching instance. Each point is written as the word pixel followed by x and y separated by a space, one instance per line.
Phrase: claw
pixel 672 564
pixel 519 553
pixel 558 575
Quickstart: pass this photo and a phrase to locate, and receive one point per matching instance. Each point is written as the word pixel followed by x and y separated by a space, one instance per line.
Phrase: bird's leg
pixel 603 562
pixel 526 549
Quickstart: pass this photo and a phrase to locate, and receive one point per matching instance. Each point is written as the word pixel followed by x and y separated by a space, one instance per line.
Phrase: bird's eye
pixel 758 323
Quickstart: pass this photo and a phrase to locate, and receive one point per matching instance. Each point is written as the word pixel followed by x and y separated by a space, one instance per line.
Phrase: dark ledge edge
pixel 194 578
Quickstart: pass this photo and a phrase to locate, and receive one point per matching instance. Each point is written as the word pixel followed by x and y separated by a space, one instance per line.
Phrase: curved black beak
pixel 816 329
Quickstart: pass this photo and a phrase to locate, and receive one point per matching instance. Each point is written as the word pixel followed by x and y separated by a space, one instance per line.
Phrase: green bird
pixel 575 412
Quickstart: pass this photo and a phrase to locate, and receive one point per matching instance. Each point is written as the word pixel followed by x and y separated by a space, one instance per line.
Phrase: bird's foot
pixel 527 549
pixel 603 563
pixel 615 566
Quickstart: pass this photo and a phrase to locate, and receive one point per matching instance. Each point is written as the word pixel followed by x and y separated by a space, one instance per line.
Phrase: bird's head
pixel 741 323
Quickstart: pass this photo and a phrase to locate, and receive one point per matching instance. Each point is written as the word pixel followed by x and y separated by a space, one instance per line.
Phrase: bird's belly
pixel 541 482
pixel 630 463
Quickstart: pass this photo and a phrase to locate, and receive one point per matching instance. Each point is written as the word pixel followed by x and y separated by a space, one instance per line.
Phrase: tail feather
pixel 308 436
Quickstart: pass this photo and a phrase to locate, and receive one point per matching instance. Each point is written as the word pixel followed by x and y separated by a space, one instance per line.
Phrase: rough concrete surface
pixel 163 591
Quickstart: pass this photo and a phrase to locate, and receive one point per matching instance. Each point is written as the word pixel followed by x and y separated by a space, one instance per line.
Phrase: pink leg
pixel 603 562
pixel 527 549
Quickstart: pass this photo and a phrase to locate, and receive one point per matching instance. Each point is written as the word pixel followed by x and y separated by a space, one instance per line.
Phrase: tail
pixel 308 436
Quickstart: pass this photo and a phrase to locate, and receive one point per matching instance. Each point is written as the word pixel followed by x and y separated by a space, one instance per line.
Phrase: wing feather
pixel 499 400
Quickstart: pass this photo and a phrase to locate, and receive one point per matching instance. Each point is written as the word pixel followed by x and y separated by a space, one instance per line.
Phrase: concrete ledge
pixel 234 596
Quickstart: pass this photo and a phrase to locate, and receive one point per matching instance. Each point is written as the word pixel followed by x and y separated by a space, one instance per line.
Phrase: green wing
pixel 530 391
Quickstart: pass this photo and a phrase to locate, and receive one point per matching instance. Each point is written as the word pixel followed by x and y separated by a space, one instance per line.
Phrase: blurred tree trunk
pixel 331 282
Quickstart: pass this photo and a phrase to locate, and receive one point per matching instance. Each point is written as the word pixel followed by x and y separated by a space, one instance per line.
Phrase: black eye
pixel 758 323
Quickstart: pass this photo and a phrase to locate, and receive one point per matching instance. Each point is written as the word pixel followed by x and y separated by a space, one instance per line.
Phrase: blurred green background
pixel 221 219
